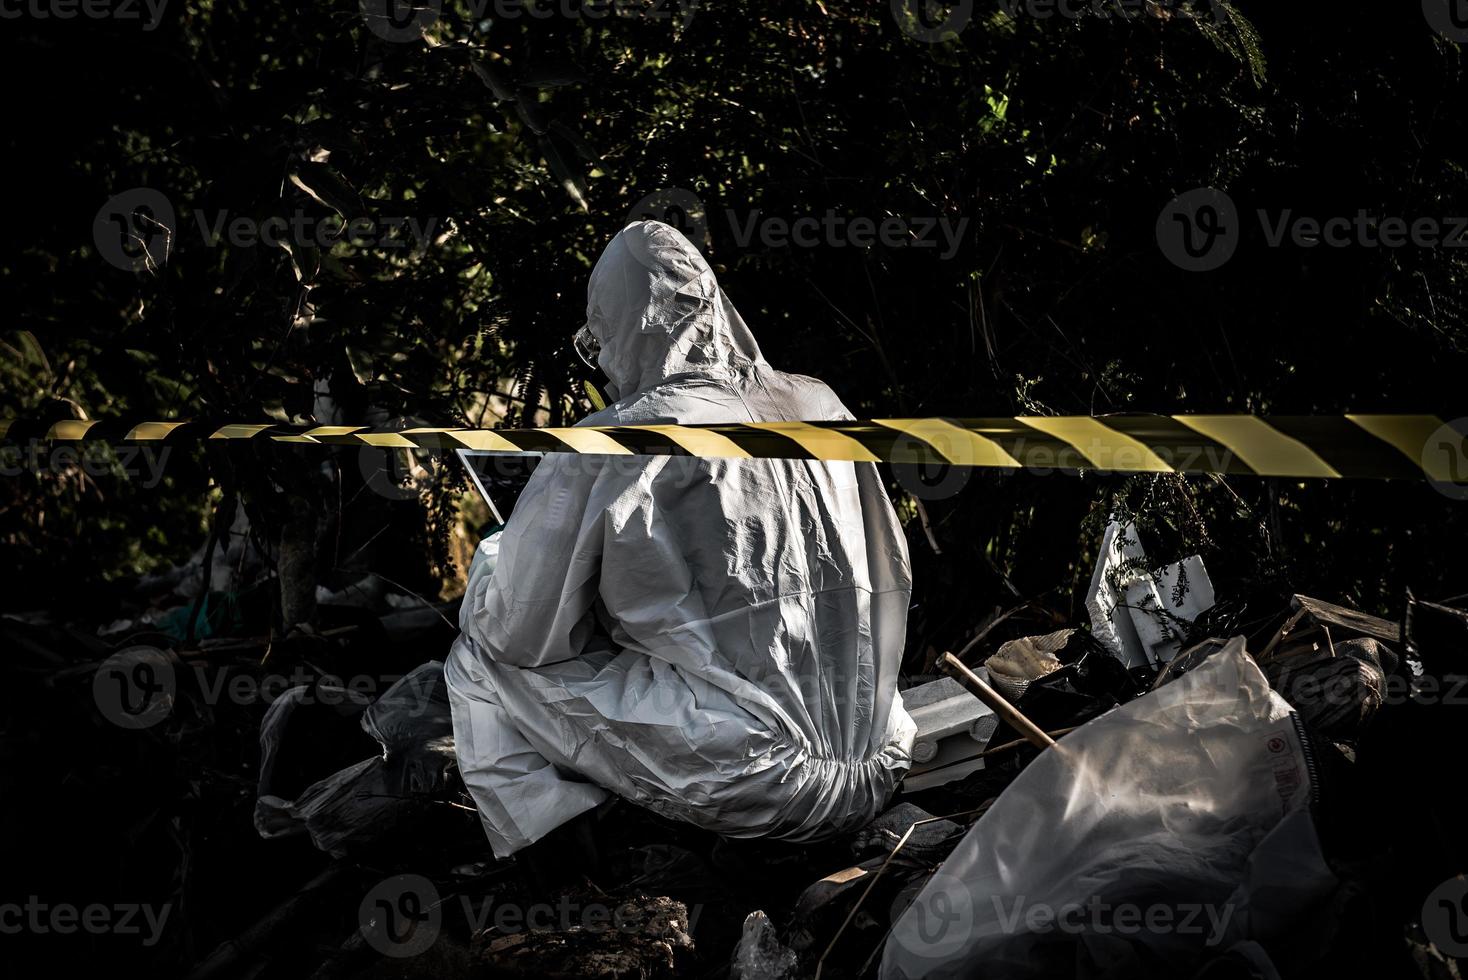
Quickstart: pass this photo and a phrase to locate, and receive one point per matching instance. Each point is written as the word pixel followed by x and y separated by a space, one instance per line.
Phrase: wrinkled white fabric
pixel 716 639
pixel 1152 840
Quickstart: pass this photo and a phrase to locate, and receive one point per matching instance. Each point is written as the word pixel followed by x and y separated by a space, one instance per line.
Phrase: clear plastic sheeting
pixel 369 801
pixel 1167 833
pixel 717 639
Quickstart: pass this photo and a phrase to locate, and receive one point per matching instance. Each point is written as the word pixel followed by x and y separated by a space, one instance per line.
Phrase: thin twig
pixel 989 628
pixel 430 605
pixel 820 963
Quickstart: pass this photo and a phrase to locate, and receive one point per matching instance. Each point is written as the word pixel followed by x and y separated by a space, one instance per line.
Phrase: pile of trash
pixel 1174 789
pixel 1137 799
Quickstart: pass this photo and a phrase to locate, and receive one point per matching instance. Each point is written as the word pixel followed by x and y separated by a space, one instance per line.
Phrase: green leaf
pixel 327 187
pixel 361 363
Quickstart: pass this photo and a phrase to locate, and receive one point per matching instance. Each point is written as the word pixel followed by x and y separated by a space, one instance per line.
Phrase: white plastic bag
pixel 1148 842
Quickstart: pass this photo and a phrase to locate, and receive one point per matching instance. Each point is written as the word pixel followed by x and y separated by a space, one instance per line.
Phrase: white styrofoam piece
pixel 952 725
pixel 1132 613
pixel 1109 623
pixel 942 708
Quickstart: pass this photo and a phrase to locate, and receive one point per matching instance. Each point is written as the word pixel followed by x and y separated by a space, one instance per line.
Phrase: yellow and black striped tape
pixel 1374 446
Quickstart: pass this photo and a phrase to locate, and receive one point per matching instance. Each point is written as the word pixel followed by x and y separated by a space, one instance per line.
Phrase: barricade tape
pixel 1369 446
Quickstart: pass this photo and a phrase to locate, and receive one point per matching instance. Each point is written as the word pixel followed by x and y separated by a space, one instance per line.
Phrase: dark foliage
pixel 523 143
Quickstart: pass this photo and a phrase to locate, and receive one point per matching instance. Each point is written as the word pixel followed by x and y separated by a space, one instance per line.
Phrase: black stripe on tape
pixel 1181 447
pixel 1346 447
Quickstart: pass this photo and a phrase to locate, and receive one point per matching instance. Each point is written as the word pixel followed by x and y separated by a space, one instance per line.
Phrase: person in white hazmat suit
pixel 718 639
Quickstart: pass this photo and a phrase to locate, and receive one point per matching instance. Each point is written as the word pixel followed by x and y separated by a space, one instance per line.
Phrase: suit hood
pixel 656 308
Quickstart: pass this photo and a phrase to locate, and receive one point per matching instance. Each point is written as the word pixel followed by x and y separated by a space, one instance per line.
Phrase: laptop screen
pixel 499 477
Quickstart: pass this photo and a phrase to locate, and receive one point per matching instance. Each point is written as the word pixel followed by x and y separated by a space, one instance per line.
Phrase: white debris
pixel 953 727
pixel 760 955
pixel 1137 614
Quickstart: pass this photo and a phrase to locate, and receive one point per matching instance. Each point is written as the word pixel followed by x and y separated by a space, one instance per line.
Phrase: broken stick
pixel 1033 733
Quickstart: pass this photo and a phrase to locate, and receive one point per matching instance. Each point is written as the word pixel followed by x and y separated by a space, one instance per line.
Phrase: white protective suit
pixel 715 639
